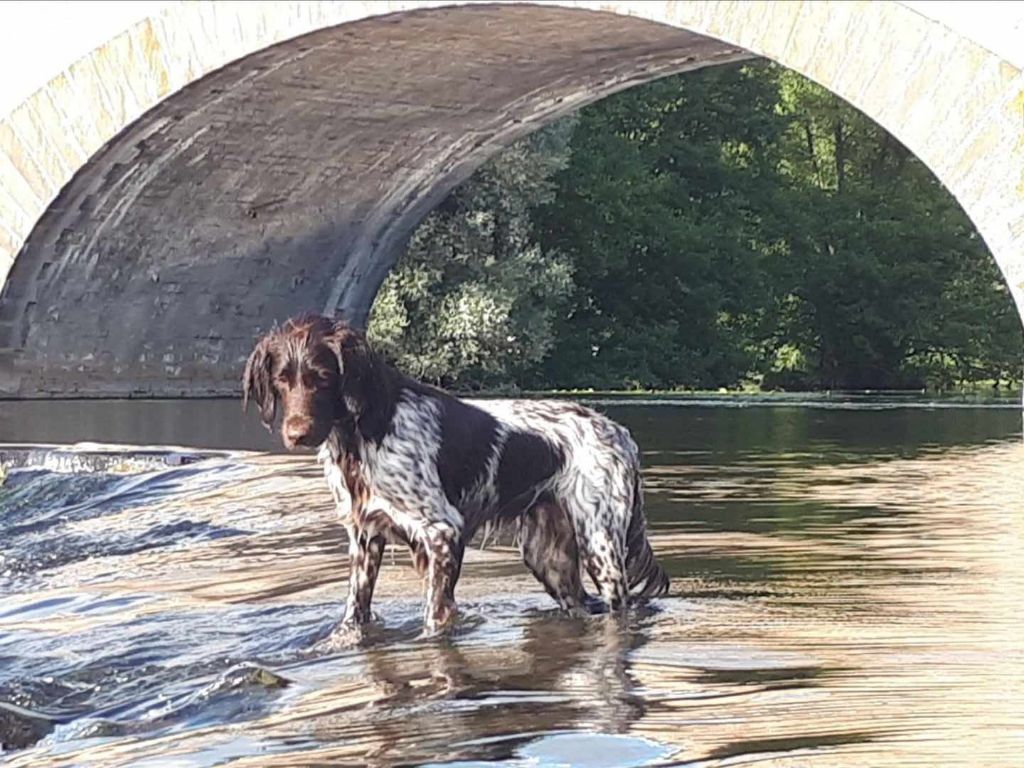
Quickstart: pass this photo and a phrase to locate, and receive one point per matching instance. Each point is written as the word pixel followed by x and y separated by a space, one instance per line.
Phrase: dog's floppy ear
pixel 357 365
pixel 368 386
pixel 256 381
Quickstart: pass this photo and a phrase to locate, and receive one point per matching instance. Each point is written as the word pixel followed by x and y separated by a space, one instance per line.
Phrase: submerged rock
pixel 20 727
pixel 256 676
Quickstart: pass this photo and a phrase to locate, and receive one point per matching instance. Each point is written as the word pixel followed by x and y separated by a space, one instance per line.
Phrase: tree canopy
pixel 737 225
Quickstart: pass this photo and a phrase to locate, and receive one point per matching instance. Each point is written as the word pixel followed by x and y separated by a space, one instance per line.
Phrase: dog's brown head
pixel 320 372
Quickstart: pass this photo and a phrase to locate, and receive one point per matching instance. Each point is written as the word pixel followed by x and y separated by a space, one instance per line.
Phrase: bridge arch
pixel 218 166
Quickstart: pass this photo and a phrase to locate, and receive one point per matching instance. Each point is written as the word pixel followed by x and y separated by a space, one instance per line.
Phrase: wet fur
pixel 410 464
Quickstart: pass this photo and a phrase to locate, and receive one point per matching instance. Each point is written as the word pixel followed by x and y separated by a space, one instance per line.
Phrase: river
pixel 848 582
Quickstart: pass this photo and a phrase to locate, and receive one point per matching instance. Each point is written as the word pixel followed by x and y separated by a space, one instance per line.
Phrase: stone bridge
pixel 201 170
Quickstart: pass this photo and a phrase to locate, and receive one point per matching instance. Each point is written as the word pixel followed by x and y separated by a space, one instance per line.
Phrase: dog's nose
pixel 296 430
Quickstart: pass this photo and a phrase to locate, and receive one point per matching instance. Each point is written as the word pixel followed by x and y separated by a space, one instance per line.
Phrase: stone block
pixel 76 110
pixel 35 134
pixel 19 207
pixel 823 41
pixel 24 161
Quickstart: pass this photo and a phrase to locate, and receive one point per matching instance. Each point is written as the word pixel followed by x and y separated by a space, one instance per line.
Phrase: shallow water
pixel 847 590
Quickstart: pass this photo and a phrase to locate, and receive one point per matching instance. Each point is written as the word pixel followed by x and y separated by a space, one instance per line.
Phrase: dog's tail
pixel 645 575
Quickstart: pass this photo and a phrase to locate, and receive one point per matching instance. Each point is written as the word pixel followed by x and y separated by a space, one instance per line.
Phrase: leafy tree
pixel 660 210
pixel 472 303
pixel 885 282
pixel 738 224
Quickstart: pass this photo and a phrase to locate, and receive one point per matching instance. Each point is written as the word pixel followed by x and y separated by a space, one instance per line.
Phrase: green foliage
pixel 885 283
pixel 472 303
pixel 739 224
pixel 660 211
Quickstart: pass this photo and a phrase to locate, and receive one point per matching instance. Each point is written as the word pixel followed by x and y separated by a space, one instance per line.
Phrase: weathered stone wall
pixel 151 250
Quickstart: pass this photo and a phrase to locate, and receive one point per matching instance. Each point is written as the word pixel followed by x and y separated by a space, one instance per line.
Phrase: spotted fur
pixel 412 465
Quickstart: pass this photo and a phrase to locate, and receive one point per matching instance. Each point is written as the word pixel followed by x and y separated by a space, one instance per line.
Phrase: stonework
pixel 220 166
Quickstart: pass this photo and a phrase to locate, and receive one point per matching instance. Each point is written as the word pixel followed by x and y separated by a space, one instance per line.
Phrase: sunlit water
pixel 848 589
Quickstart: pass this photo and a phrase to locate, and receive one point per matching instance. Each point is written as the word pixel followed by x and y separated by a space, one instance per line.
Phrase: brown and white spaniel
pixel 411 464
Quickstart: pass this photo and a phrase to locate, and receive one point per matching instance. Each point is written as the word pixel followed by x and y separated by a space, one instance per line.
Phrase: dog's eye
pixel 312 377
pixel 317 377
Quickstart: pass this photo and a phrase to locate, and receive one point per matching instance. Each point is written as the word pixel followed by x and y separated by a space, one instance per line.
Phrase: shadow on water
pixel 846 592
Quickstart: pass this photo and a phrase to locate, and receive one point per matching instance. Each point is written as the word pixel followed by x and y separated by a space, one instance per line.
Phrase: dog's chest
pixel 335 482
pixel 377 516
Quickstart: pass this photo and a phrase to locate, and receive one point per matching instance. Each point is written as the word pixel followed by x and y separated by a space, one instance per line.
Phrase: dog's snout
pixel 296 429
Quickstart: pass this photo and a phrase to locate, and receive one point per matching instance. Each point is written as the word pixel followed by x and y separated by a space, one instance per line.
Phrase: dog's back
pixel 599 484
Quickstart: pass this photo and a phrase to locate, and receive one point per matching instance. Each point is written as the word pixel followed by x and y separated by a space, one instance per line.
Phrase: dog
pixel 412 465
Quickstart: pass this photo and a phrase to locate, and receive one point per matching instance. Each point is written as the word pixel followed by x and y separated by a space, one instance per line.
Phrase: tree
pixel 472 302
pixel 885 282
pixel 659 211
pixel 738 224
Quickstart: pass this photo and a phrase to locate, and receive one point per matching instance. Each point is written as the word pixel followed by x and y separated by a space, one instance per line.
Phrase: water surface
pixel 847 582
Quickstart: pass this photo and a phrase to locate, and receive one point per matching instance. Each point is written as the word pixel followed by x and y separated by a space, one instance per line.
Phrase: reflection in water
pixel 846 592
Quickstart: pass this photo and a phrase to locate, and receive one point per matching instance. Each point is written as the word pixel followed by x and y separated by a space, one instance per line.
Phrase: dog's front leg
pixel 365 553
pixel 444 562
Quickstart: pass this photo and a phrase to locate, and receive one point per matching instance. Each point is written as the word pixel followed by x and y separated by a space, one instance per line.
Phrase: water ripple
pixel 834 603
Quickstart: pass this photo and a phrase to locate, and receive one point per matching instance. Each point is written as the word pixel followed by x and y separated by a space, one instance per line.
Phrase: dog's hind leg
pixel 602 543
pixel 605 560
pixel 547 542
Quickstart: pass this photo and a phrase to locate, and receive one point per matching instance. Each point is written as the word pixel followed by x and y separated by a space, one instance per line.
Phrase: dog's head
pixel 316 370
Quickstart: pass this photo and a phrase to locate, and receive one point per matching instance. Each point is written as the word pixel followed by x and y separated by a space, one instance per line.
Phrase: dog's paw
pixel 346 635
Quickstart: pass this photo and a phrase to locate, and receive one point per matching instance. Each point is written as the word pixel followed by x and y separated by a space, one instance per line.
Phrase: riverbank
pixel 966 395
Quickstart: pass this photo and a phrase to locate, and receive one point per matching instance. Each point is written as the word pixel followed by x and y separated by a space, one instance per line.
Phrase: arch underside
pixel 290 181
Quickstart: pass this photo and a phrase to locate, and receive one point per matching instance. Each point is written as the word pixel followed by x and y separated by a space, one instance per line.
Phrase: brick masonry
pixel 219 167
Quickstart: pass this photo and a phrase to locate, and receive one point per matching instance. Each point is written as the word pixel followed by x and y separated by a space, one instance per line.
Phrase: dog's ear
pixel 368 386
pixel 357 365
pixel 256 382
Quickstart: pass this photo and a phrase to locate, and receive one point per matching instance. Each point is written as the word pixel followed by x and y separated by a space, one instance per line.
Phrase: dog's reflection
pixel 482 698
